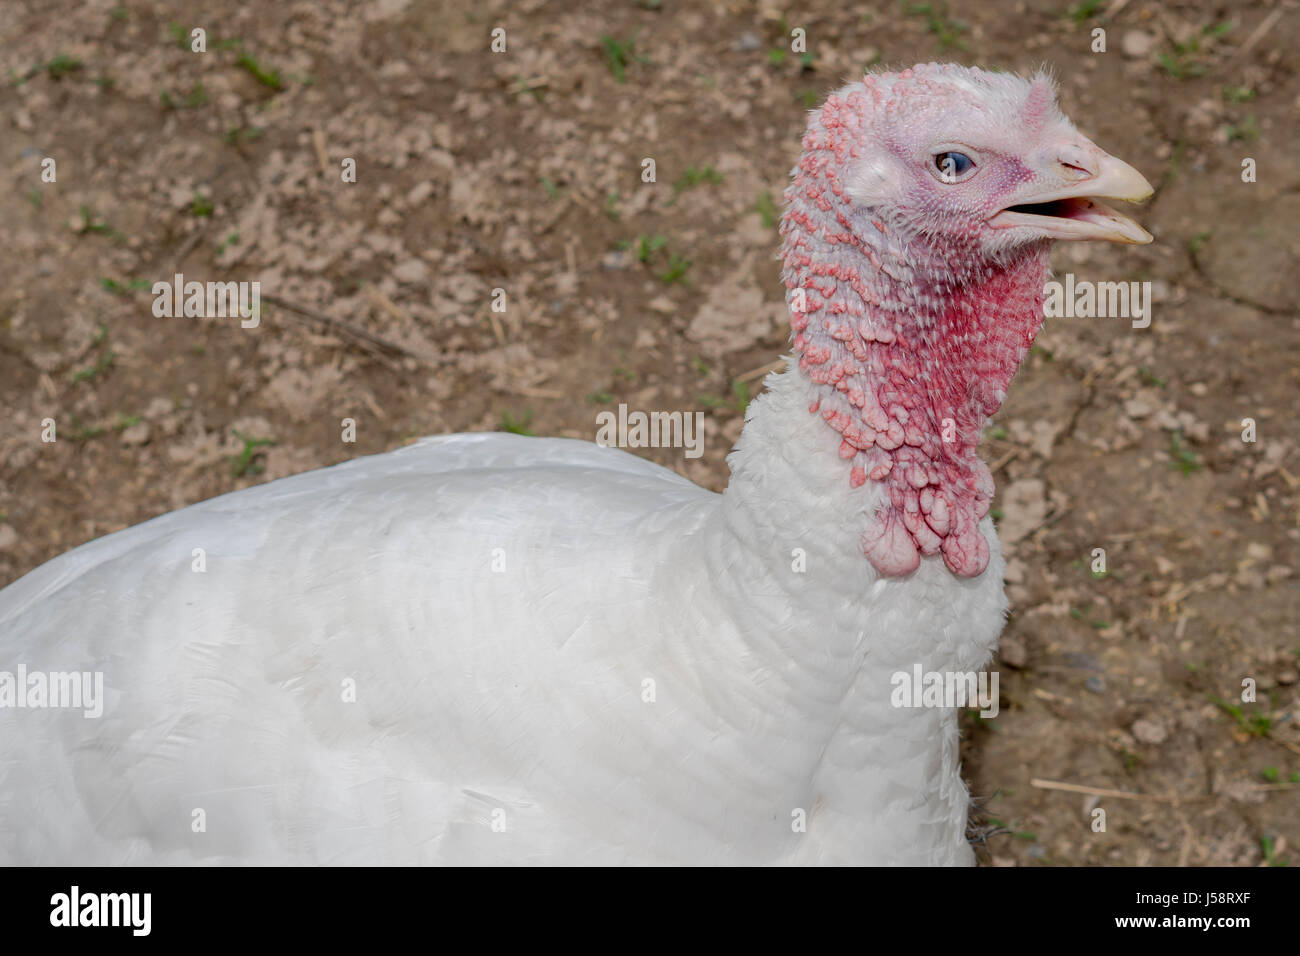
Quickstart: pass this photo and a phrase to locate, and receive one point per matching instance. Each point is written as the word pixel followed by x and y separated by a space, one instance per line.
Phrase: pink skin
pixel 921 296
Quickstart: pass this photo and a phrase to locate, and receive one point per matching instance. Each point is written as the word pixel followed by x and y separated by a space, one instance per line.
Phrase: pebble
pixel 1138 407
pixel 1136 43
pixel 412 270
pixel 1278 572
pixel 137 434
pixel 1149 731
pixel 1259 551
pixel 420 193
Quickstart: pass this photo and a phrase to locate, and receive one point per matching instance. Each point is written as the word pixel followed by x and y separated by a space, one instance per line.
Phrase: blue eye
pixel 952 166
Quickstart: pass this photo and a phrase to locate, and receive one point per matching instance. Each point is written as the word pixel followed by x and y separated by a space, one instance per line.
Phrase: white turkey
pixel 498 649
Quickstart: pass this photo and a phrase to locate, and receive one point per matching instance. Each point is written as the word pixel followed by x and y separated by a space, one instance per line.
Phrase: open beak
pixel 1073 211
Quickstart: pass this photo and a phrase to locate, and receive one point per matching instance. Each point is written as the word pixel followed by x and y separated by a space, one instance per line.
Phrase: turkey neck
pixel 788 551
pixel 910 352
pixel 803 634
pixel 909 347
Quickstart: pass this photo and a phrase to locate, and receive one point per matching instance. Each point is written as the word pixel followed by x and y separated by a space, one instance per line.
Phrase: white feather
pixel 485 698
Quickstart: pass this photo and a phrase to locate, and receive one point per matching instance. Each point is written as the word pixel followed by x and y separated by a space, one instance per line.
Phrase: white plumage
pixel 486 648
pixel 518 690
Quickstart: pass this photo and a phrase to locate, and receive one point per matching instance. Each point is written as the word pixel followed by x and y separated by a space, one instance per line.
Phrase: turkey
pixel 486 649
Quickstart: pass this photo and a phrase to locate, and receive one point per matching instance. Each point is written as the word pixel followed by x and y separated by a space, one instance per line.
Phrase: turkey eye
pixel 952 166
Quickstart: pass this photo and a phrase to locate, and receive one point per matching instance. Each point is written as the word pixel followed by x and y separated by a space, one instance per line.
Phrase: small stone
pixel 1278 572
pixel 420 193
pixel 1138 407
pixel 565 283
pixel 8 537
pixel 1246 578
pixel 748 42
pixel 137 434
pixel 736 108
pixel 663 305
pixel 1095 684
pixel 1136 43
pixel 1259 551
pixel 412 270
pixel 1149 731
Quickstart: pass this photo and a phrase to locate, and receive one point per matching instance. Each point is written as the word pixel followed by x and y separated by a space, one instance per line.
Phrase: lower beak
pixel 1074 212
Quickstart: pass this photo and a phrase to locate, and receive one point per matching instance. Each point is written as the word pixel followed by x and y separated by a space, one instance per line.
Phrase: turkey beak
pixel 1116 179
pixel 1073 211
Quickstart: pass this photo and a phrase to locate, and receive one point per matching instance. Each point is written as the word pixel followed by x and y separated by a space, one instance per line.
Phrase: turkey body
pixel 491 649
pixel 494 649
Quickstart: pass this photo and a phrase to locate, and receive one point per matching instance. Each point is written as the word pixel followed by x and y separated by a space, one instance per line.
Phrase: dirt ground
pixel 521 171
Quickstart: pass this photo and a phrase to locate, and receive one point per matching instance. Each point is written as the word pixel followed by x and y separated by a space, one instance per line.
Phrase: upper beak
pixel 1071 211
